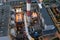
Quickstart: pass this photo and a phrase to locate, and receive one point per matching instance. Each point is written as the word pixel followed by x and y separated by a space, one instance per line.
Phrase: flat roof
pixel 45 15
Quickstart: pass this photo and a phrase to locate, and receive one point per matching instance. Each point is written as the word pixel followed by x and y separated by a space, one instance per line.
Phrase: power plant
pixel 29 19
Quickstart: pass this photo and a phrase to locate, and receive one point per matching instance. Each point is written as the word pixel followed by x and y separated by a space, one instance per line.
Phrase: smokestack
pixel 28 7
pixel 28 4
pixel 28 17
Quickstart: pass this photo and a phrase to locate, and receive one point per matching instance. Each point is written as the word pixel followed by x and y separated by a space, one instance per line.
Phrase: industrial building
pixel 29 19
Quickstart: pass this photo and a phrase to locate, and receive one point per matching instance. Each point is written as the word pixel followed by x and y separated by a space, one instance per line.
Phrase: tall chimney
pixel 28 7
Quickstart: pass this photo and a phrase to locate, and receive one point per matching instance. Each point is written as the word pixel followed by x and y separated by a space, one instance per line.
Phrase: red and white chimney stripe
pixel 28 17
pixel 28 7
